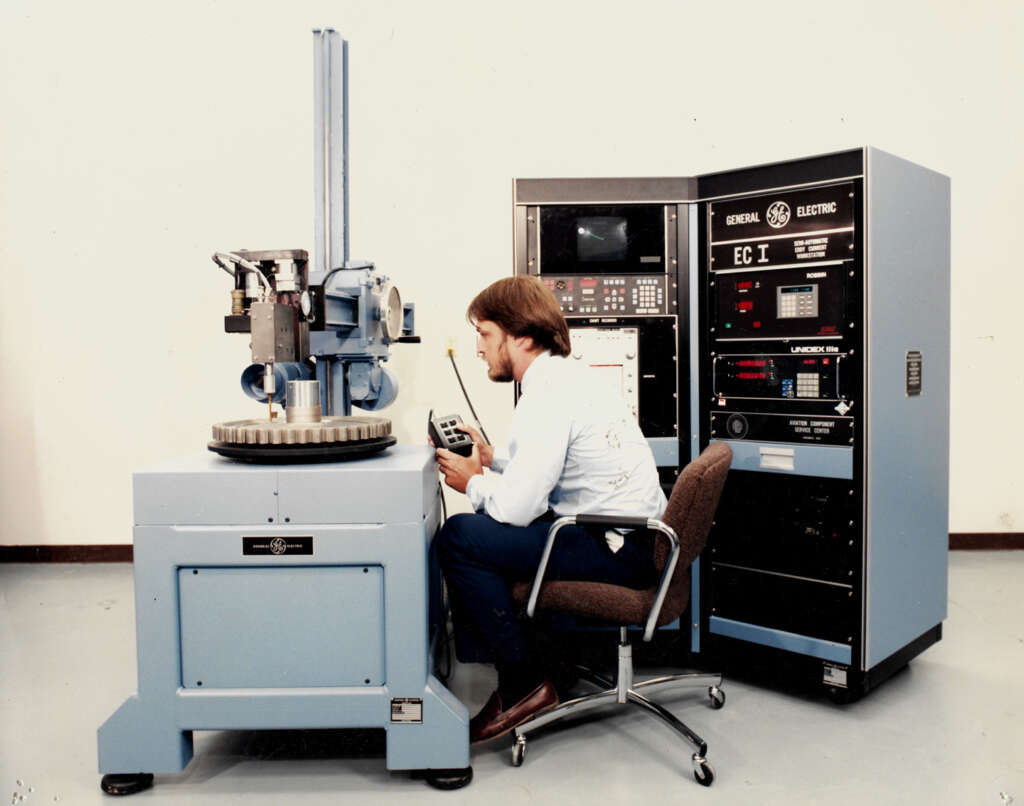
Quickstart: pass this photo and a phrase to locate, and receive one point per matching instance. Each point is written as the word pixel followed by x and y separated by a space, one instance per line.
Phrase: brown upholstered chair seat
pixel 599 600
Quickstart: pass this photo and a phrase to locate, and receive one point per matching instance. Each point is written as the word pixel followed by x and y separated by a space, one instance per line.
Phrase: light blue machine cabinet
pixel 287 596
pixel 824 293
pixel 289 589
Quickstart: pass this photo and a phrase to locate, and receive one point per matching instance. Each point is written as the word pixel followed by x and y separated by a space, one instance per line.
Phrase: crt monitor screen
pixel 602 239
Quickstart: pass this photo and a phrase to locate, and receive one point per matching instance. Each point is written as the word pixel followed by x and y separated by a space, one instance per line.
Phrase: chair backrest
pixel 690 511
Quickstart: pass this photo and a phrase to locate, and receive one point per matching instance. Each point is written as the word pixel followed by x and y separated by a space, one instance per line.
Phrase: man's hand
pixel 486 451
pixel 458 470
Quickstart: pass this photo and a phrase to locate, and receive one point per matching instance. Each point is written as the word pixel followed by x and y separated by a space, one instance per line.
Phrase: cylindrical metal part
pixel 302 402
pixel 252 379
pixel 253 290
pixel 625 679
pixel 237 301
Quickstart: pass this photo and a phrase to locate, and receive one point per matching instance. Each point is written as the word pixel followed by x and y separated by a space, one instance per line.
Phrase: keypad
pixel 648 295
pixel 808 384
pixel 798 303
pixel 452 435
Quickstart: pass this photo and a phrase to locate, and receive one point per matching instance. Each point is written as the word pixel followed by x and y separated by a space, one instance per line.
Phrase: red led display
pixel 751 376
pixel 587 282
pixel 752 362
pixel 745 306
pixel 746 285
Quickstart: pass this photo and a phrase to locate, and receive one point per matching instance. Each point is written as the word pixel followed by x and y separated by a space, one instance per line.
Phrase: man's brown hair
pixel 523 306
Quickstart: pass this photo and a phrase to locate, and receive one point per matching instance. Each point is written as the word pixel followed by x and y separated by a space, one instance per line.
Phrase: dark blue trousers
pixel 481 558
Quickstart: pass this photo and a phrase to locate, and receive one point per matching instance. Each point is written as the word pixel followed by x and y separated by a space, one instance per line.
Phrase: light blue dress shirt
pixel 573 448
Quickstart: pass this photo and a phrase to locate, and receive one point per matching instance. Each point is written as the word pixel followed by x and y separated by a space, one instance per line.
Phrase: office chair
pixel 685 526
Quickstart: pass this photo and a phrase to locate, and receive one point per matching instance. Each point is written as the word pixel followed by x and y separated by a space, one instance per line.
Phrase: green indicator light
pixel 728 325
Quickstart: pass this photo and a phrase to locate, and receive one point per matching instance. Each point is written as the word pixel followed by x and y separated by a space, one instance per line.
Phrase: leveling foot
pixel 446 779
pixel 126 783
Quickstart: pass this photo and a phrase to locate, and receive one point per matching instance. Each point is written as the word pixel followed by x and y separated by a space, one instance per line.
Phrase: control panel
pixel 779 376
pixel 629 295
pixel 784 375
pixel 615 254
pixel 611 354
pixel 782 316
pixel 782 304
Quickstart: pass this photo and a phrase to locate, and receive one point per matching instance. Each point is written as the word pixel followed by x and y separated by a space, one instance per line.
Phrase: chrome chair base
pixel 626 692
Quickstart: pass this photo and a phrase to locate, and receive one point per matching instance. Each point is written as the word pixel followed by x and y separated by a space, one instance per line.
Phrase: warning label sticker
pixel 407 709
pixel 834 675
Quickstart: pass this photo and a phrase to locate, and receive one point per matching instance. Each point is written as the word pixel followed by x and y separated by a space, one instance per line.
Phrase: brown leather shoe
pixel 494 721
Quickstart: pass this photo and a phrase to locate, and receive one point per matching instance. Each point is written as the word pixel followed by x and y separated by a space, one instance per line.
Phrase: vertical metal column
pixel 330 150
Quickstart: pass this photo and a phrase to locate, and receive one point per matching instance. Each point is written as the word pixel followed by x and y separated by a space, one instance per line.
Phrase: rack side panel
pixel 908 320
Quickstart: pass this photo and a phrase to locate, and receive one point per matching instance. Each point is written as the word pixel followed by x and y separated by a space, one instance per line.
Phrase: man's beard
pixel 502 371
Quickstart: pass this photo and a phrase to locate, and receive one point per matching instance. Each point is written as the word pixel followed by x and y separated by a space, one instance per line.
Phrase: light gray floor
pixel 947 730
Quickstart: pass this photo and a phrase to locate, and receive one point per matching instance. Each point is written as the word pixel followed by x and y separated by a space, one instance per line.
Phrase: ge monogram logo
pixel 778 214
pixel 278 545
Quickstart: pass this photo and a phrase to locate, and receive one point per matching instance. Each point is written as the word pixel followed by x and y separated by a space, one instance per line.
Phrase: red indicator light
pixel 745 286
pixel 757 324
pixel 809 361
pixel 826 361
pixel 745 306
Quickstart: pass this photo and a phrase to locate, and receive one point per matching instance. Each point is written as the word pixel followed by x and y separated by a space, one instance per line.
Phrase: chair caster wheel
pixel 518 751
pixel 717 697
pixel 448 779
pixel 126 784
pixel 703 772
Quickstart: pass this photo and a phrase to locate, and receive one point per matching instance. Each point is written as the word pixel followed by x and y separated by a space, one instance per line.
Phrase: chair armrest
pixel 531 605
pixel 666 575
pixel 613 521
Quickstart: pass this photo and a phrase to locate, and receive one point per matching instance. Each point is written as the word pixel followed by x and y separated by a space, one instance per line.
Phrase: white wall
pixel 134 142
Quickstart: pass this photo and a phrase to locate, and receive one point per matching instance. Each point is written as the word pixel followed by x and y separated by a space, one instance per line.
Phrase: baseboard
pixel 66 554
pixel 986 541
pixel 958 541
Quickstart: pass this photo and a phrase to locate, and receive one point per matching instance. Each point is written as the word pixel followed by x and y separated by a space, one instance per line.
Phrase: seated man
pixel 573 448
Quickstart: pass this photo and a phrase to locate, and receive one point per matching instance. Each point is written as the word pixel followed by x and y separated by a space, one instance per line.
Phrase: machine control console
pixel 783 311
pixel 604 295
